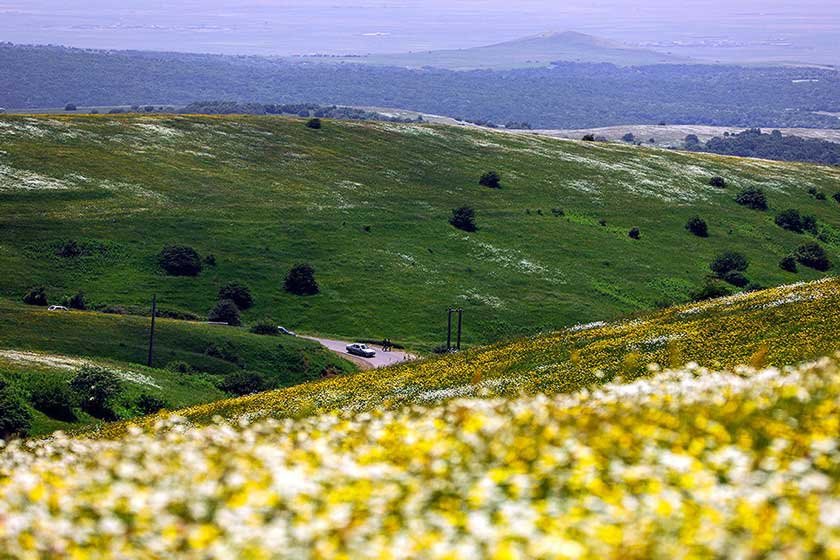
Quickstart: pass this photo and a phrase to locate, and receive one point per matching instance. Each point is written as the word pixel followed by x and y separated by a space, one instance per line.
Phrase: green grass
pixel 264 193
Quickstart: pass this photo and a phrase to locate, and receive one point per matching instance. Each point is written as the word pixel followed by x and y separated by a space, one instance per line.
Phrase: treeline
pixel 566 95
pixel 776 146
pixel 298 109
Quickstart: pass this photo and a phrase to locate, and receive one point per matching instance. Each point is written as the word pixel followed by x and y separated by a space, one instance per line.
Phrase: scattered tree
pixel 70 249
pixel 588 138
pixel 752 197
pixel 15 419
pixel 238 293
pixel 629 138
pixel 36 296
pixel 243 383
pixel 791 220
pixel 788 263
pixel 491 179
pixel 225 311
pixel 463 218
pixel 736 278
pixel 180 260
pixel 53 397
pixel 697 226
pixel 635 233
pixel 728 262
pixel 77 301
pixel 98 390
pixel 301 280
pixel 691 142
pixel 718 182
pixel 150 404
pixel 813 256
pixel 314 124
pixel 70 107
pixel 266 328
pixel 711 289
pixel 836 196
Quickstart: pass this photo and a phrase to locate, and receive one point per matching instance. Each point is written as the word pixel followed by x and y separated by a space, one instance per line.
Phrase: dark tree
pixel 53 397
pixel 629 137
pixel 150 404
pixel 788 263
pixel 692 142
pixel 314 124
pixel 238 293
pixel 463 218
pixel 15 419
pixel 266 328
pixel 70 107
pixel 736 278
pixel 98 390
pixel 836 196
pixel 697 226
pixel 635 233
pixel 752 197
pixel 243 383
pixel 36 296
pixel 301 280
pixel 718 182
pixel 491 179
pixel 711 289
pixel 70 249
pixel 77 301
pixel 728 262
pixel 588 138
pixel 180 260
pixel 225 311
pixel 813 256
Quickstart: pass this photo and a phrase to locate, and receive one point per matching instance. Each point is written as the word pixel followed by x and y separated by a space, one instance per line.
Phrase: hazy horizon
pixel 808 31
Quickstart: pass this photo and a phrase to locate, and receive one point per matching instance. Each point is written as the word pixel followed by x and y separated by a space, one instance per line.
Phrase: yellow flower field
pixel 688 463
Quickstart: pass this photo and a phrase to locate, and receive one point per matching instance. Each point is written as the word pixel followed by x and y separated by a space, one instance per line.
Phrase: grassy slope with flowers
pixel 684 464
pixel 367 204
pixel 778 326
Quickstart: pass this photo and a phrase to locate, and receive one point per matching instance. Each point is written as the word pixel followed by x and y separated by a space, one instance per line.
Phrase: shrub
pixel 736 278
pixel 53 397
pixel 179 366
pixel 210 260
pixel 728 262
pixel 711 289
pixel 15 419
pixel 314 124
pixel 225 311
pixel 70 249
pixel 77 301
pixel 70 107
pixel 36 296
pixel 791 220
pixel 97 389
pixel 463 218
pixel 224 351
pixel 820 196
pixel 243 383
pixel 588 138
pixel 180 260
pixel 301 280
pixel 266 328
pixel 491 179
pixel 629 137
pixel 697 226
pixel 635 233
pixel 788 263
pixel 718 182
pixel 150 404
pixel 752 197
pixel 836 196
pixel 558 212
pixel 813 255
pixel 238 294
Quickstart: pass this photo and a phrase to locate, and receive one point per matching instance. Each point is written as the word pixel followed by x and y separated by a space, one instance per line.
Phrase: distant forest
pixel 566 95
pixel 755 143
pixel 299 109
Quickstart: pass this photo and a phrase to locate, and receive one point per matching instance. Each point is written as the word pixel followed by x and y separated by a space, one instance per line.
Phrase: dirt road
pixel 382 359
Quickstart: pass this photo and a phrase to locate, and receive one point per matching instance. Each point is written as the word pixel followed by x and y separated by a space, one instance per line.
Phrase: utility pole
pixel 449 331
pixel 152 330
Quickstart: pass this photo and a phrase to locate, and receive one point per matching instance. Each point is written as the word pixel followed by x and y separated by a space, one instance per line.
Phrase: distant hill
pixel 535 51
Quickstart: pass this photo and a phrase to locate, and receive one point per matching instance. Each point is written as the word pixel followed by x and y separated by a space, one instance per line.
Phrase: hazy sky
pixel 804 29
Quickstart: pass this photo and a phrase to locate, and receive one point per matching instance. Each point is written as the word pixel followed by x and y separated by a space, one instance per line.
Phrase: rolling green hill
pixel 368 205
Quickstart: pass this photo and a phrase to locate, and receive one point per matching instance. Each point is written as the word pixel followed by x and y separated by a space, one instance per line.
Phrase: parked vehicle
pixel 284 330
pixel 362 350
pixel 57 308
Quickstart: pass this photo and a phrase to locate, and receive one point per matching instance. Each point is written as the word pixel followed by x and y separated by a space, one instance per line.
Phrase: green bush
pixel 267 328
pixel 180 260
pixel 179 367
pixel 97 389
pixel 711 289
pixel 301 280
pixel 70 249
pixel 53 397
pixel 718 182
pixel 728 262
pixel 225 311
pixel 791 220
pixel 736 278
pixel 788 263
pixel 752 197
pixel 463 218
pixel 635 233
pixel 224 351
pixel 314 124
pixel 813 256
pixel 150 404
pixel 697 226
pixel 36 296
pixel 15 419
pixel 243 383
pixel 836 196
pixel 238 294
pixel 491 179
pixel 77 301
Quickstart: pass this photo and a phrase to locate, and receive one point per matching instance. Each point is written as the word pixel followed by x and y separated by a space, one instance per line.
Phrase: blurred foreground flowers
pixel 685 463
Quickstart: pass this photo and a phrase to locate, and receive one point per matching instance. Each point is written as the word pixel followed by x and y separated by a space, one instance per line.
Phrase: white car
pixel 284 330
pixel 360 350
pixel 57 308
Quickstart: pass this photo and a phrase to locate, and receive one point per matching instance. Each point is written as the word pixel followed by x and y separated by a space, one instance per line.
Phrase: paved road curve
pixel 382 359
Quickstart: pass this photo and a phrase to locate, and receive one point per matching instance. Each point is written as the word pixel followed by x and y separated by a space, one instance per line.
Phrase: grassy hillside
pixel 778 326
pixel 368 205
